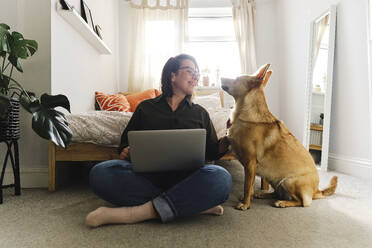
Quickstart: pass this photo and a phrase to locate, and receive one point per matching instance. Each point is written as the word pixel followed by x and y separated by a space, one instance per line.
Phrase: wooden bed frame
pixel 86 152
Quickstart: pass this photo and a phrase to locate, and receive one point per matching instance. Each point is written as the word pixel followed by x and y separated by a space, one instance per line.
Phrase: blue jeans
pixel 173 194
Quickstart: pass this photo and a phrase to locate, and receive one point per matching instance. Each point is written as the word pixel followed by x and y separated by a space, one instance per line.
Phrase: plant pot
pixel 205 81
pixel 9 127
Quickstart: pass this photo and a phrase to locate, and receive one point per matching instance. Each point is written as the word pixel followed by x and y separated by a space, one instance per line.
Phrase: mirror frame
pixel 328 94
pixel 369 47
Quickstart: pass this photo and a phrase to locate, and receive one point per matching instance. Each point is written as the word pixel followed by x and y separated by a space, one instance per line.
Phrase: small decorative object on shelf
pixel 88 32
pixel 99 31
pixel 86 13
pixel 64 5
pixel 321 119
pixel 205 77
pixel 206 80
pixel 317 88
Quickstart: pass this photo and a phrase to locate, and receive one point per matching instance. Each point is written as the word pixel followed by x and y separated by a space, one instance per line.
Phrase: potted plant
pixel 205 73
pixel 47 122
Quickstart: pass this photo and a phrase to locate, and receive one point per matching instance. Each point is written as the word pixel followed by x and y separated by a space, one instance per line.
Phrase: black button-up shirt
pixel 156 114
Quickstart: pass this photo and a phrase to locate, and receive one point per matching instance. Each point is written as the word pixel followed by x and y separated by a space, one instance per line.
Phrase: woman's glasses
pixel 194 74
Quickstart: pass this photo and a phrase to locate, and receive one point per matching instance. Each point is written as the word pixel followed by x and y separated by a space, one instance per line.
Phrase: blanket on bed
pixel 106 127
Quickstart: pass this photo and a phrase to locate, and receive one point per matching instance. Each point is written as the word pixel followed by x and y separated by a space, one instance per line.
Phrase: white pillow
pixel 208 101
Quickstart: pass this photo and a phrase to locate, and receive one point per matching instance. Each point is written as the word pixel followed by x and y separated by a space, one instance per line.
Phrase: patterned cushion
pixel 115 102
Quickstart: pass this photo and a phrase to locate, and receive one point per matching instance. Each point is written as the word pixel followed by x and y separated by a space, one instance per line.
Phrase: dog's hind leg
pixel 305 200
pixel 286 204
pixel 296 192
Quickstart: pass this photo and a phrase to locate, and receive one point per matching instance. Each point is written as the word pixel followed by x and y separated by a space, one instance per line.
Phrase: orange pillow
pixel 115 102
pixel 137 98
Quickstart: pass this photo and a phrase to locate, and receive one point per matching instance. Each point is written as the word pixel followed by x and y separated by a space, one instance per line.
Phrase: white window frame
pixel 210 13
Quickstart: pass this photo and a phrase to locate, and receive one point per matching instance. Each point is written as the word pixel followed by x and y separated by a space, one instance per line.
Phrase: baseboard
pixel 357 167
pixel 30 177
pixel 362 168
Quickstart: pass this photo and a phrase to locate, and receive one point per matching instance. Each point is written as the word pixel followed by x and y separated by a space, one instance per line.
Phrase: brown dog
pixel 264 145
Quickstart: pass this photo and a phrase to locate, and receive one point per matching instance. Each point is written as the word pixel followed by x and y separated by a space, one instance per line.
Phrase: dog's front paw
pixel 242 206
pixel 280 204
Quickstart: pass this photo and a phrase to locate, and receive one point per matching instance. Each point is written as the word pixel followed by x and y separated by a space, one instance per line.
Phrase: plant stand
pixel 13 154
pixel 9 134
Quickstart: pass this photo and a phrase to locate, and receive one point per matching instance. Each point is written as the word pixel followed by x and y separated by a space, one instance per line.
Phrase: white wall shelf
pixel 73 17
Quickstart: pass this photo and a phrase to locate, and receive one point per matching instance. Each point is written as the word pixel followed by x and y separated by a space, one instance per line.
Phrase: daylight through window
pixel 211 40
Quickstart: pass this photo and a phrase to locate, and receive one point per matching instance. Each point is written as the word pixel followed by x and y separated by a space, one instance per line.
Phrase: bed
pixel 96 134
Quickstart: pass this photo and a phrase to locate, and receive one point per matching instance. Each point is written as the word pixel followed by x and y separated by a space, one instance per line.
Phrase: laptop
pixel 167 150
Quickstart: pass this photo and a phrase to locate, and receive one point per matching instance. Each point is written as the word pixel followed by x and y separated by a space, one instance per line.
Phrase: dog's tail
pixel 327 191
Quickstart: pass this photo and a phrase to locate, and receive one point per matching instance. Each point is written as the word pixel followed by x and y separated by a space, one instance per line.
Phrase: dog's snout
pixel 225 88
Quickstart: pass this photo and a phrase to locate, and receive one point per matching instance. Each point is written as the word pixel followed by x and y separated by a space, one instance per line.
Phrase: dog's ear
pixel 266 78
pixel 253 83
pixel 260 73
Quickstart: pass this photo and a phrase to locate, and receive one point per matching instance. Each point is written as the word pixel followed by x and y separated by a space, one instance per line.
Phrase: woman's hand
pixel 125 153
pixel 223 145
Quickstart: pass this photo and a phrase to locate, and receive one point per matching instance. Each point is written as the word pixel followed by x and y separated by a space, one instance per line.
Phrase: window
pixel 211 40
pixel 321 64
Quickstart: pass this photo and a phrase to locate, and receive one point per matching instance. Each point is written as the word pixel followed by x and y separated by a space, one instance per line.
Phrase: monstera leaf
pixel 4 38
pixel 21 48
pixel 49 123
pixel 29 102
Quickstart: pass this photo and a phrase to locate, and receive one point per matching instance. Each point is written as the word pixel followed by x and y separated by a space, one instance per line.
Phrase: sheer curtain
pixel 158 30
pixel 243 14
pixel 320 28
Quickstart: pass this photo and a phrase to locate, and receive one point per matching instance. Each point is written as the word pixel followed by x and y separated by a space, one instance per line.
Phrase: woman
pixel 143 196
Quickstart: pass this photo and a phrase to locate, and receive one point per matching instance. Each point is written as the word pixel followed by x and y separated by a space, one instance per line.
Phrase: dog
pixel 265 146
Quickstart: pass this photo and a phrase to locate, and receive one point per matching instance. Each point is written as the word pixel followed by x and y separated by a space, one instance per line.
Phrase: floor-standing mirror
pixel 369 43
pixel 319 86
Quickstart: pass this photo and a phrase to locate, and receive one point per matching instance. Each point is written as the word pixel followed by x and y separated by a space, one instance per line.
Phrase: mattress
pixel 106 127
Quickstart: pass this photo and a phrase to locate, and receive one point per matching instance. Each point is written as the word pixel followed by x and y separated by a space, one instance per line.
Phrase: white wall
pixel 8 12
pixel 78 69
pixel 124 41
pixel 20 16
pixel 267 47
pixel 349 134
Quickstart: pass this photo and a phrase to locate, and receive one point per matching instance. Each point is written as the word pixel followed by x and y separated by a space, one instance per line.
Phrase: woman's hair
pixel 172 65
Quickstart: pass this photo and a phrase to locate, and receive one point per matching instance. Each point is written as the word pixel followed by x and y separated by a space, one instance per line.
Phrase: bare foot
pixel 96 217
pixel 217 210
pixel 121 215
